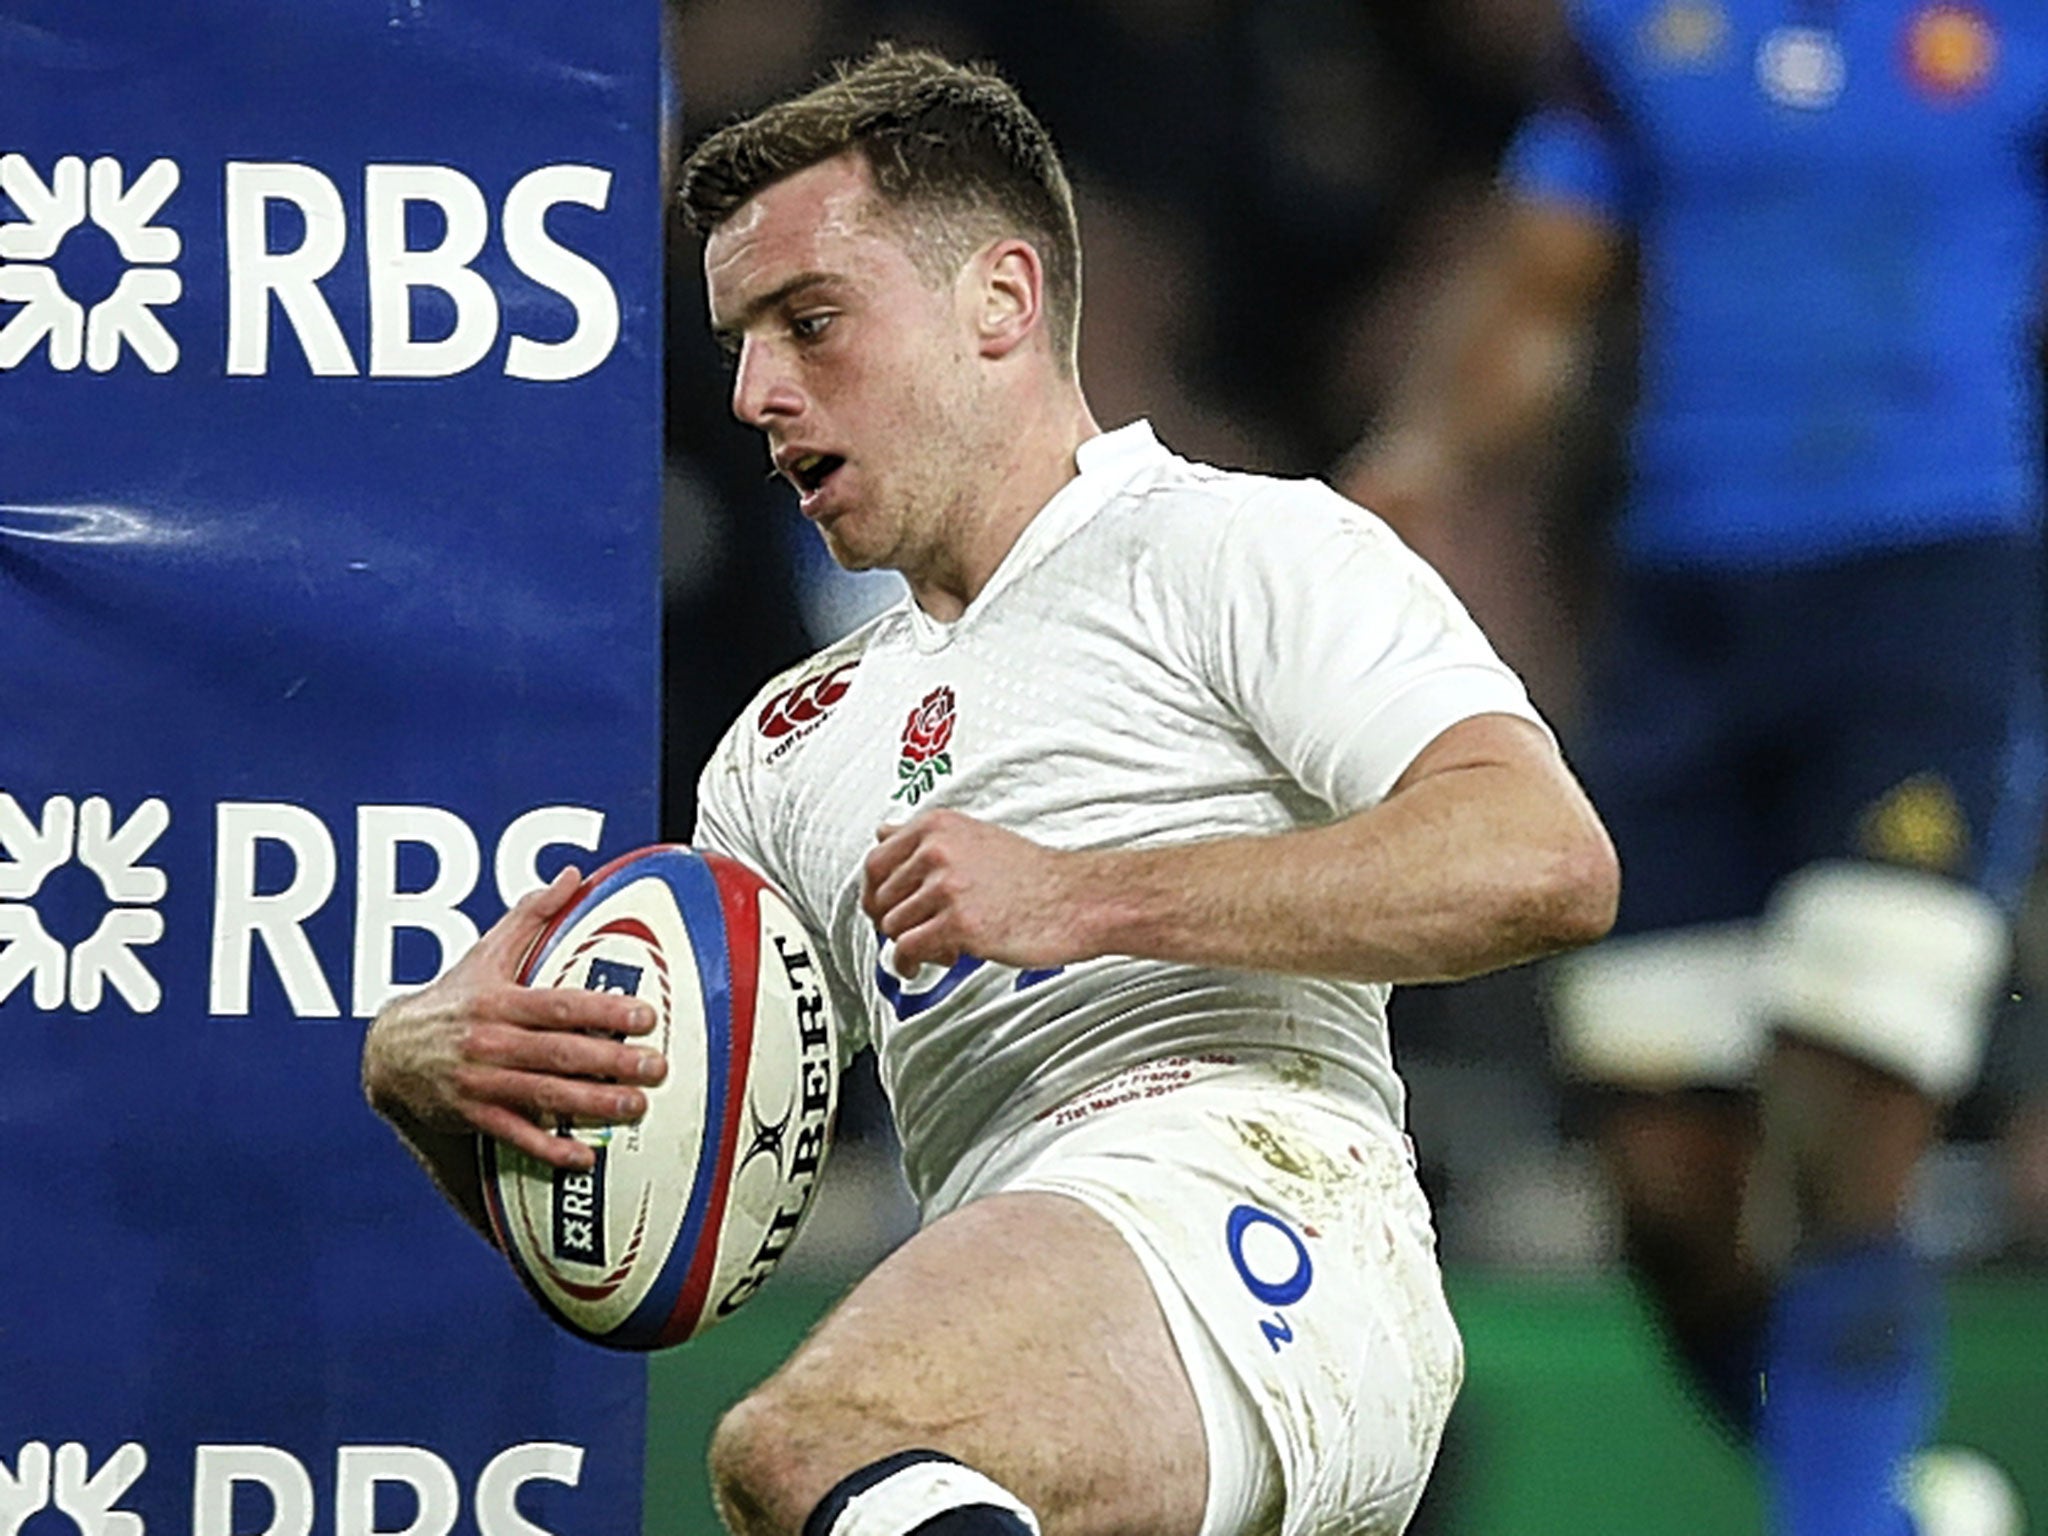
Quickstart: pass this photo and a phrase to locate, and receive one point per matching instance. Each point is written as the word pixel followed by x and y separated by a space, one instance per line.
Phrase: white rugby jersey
pixel 1169 653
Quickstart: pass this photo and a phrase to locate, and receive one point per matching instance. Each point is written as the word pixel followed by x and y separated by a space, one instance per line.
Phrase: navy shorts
pixel 1740 725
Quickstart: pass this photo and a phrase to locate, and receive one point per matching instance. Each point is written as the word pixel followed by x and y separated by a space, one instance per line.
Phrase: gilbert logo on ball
pixel 687 1211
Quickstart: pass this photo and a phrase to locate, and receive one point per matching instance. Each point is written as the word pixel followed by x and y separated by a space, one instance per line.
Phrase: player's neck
pixel 1024 468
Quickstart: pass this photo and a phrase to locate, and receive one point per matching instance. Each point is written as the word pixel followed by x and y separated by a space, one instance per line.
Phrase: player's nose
pixel 762 390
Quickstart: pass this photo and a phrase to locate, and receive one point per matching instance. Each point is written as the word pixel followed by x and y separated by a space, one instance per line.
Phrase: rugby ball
pixel 688 1210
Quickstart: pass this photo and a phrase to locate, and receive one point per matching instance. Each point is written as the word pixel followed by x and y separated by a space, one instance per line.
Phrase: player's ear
pixel 1009 296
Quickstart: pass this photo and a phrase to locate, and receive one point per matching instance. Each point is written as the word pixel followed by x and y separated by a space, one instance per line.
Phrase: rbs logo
pixel 127 316
pixel 92 1499
pixel 252 917
pixel 288 244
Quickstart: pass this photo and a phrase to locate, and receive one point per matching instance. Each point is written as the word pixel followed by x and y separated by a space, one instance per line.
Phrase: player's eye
pixel 810 327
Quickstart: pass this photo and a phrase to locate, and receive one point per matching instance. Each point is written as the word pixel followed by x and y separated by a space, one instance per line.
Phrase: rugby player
pixel 1115 832
pixel 1814 718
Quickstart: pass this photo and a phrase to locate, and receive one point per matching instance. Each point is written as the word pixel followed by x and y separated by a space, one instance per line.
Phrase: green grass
pixel 1569 1423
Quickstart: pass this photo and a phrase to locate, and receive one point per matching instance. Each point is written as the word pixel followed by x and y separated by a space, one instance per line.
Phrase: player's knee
pixel 759 1465
pixel 1890 966
pixel 919 1493
pixel 1678 1161
pixel 1656 1012
pixel 784 1446
pixel 780 1469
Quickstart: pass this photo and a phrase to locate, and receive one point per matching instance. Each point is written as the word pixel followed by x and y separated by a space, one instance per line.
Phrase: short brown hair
pixel 954 141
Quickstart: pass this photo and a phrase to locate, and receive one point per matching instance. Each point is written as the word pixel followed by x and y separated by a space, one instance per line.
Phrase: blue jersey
pixel 1839 208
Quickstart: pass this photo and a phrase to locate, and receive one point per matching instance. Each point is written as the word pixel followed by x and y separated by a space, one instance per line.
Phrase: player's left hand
pixel 943 885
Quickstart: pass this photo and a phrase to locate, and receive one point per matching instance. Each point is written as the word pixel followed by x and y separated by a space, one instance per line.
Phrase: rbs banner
pixel 329 468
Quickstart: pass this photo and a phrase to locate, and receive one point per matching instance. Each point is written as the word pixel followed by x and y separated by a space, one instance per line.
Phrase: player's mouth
pixel 806 468
pixel 811 473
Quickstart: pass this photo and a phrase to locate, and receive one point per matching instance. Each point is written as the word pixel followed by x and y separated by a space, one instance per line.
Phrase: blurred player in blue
pixel 1813 720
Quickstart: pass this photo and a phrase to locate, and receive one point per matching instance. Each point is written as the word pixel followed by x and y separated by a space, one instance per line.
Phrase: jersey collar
pixel 1104 465
pixel 1121 453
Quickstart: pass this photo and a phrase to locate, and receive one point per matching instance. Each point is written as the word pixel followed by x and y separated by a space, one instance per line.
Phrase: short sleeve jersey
pixel 1839 208
pixel 1169 653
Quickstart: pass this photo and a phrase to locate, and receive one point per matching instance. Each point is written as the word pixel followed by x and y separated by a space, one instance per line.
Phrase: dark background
pixel 1270 193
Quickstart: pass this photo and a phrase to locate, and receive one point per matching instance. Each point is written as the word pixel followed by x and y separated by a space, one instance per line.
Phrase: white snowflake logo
pixel 39 1481
pixel 30 852
pixel 50 211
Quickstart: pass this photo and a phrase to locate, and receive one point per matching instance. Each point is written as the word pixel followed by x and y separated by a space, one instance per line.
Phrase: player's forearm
pixel 448 1157
pixel 1500 359
pixel 1478 415
pixel 1470 871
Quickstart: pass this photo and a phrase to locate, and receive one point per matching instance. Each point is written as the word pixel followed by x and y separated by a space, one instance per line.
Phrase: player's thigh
pixel 1020 1335
pixel 1923 743
pixel 1284 1223
pixel 1915 811
pixel 1665 747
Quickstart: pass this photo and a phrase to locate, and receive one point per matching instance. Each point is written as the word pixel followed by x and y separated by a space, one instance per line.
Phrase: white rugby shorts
pixel 1292 1253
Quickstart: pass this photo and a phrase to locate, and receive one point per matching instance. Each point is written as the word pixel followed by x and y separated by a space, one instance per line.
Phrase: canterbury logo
pixel 806 702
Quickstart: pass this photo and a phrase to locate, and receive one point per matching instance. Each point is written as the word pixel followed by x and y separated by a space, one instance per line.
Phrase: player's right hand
pixel 477 1051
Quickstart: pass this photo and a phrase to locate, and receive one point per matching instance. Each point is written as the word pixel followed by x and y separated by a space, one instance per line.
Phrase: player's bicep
pixel 1509 776
pixel 1490 741
pixel 1343 651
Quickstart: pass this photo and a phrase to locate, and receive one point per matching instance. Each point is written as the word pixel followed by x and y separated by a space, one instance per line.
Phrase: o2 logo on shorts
pixel 1273 1263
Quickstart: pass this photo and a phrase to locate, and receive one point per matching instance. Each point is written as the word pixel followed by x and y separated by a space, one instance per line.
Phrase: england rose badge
pixel 924 758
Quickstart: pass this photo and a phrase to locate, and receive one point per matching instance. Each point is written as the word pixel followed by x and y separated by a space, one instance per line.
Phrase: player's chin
pixel 847 549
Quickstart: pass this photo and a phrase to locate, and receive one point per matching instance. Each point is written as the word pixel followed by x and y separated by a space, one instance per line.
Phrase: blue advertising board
pixel 329 482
